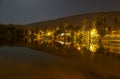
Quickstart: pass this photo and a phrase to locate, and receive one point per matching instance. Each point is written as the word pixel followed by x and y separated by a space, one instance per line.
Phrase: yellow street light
pixel 48 33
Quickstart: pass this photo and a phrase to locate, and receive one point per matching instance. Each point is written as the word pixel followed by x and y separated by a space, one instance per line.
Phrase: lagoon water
pixel 53 60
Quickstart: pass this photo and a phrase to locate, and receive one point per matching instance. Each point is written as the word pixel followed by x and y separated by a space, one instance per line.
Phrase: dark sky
pixel 30 11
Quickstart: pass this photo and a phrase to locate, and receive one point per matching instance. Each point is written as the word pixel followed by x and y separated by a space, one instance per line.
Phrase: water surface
pixel 54 60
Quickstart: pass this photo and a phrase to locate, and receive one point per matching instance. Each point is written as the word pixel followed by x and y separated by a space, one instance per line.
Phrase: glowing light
pixel 79 48
pixel 62 34
pixel 93 48
pixel 61 42
pixel 48 33
pixel 93 32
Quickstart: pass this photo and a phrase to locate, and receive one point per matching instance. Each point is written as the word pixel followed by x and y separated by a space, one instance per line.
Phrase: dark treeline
pixel 10 30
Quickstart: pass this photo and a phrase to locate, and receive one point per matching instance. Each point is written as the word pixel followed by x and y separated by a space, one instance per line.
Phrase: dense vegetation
pixel 103 22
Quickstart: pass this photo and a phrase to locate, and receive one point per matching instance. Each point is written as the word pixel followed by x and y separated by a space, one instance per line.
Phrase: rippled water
pixel 48 59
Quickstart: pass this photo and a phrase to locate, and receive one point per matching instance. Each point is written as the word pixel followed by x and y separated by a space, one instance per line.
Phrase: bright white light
pixel 62 34
pixel 61 42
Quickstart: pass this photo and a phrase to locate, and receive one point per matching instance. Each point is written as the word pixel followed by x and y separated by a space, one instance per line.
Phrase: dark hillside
pixel 75 20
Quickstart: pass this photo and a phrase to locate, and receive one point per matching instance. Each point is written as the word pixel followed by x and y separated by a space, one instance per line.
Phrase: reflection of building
pixel 91 40
pixel 111 42
pixel 113 37
pixel 112 48
pixel 93 47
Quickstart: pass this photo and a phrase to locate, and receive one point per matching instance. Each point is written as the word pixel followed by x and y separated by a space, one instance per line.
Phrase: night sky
pixel 30 11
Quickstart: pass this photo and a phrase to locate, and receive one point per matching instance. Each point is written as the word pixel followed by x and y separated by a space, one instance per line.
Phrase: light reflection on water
pixel 24 59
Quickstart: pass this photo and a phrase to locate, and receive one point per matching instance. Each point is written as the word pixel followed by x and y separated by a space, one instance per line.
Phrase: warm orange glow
pixel 48 33
pixel 93 32
pixel 79 48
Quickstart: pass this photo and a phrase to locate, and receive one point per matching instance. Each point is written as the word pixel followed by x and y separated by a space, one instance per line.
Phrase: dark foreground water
pixel 55 60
